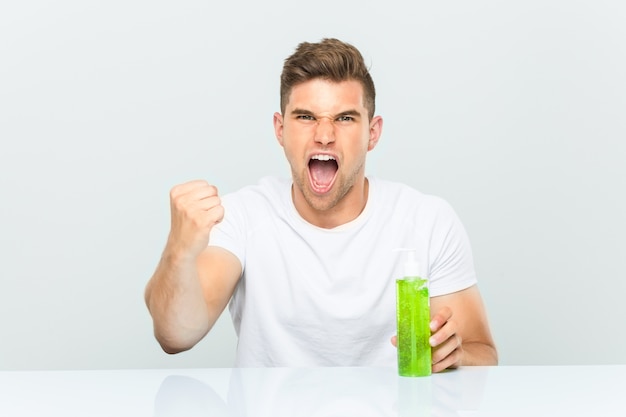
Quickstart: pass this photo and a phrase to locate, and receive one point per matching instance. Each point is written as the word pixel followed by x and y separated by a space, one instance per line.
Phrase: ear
pixel 278 127
pixel 376 129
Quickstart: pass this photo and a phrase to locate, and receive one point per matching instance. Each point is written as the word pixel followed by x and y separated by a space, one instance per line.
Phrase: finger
pixel 206 215
pixel 198 216
pixel 443 350
pixel 217 214
pixel 453 360
pixel 394 341
pixel 184 188
pixel 191 188
pixel 440 318
pixel 205 204
pixel 197 200
pixel 195 194
pixel 444 333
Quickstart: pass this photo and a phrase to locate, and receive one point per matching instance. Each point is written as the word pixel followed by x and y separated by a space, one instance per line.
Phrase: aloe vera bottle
pixel 413 320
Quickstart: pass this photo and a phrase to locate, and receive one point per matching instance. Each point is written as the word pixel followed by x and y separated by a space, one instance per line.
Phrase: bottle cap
pixel 411 267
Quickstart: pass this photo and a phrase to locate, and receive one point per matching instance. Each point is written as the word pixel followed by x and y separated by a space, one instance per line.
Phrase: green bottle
pixel 413 320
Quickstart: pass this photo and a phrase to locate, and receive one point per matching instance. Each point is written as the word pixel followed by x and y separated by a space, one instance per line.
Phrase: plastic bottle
pixel 413 320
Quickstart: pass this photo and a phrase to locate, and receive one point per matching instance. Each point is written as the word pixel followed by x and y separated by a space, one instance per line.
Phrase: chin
pixel 321 202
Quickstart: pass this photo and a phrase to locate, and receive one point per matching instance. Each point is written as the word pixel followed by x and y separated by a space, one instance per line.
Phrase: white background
pixel 512 111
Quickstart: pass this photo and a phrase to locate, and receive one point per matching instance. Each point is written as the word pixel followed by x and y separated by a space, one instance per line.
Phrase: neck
pixel 346 209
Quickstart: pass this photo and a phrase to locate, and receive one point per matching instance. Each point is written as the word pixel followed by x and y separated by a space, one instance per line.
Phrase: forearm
pixel 478 354
pixel 176 303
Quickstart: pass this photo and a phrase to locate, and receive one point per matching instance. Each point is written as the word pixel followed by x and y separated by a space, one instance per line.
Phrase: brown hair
pixel 329 59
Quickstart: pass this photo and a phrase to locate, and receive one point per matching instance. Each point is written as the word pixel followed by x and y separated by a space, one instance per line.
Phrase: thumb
pixel 394 341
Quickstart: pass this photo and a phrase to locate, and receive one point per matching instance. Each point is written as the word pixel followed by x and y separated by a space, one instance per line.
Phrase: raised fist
pixel 195 208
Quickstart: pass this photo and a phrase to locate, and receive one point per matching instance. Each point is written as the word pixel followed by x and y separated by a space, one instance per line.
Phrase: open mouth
pixel 322 172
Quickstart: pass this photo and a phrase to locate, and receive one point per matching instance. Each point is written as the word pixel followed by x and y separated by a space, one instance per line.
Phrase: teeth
pixel 323 157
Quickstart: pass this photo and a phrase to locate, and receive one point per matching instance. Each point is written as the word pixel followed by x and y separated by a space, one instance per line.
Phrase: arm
pixel 461 334
pixel 192 282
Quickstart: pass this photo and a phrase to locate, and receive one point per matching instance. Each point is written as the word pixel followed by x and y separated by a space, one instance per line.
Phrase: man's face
pixel 326 134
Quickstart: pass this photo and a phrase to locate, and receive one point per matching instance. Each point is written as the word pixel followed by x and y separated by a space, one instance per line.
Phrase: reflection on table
pixel 316 392
pixel 322 392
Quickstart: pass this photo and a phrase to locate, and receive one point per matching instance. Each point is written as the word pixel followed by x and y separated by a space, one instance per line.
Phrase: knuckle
pixel 174 192
pixel 220 212
pixel 438 355
pixel 179 205
pixel 215 200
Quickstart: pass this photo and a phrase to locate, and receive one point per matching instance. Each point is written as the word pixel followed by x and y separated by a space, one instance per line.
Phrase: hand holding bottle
pixel 445 341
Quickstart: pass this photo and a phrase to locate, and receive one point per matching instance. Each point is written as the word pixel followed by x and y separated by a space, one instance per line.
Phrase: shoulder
pixel 399 196
pixel 403 206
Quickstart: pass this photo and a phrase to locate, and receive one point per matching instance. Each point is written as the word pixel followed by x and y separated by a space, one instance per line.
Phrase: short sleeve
pixel 451 266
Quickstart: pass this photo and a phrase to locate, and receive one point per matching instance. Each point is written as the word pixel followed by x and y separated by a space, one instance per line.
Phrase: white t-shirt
pixel 310 296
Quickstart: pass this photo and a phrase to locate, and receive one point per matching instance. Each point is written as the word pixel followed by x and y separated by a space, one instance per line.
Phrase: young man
pixel 308 265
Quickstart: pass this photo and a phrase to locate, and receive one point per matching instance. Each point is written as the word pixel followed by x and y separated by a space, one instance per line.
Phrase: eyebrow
pixel 350 112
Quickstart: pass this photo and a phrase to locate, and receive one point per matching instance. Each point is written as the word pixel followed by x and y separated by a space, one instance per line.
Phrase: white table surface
pixel 471 391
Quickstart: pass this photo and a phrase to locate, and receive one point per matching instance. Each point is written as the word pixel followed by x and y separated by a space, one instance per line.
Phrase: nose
pixel 325 131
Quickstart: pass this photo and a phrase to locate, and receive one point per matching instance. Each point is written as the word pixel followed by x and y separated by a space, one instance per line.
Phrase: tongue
pixel 322 172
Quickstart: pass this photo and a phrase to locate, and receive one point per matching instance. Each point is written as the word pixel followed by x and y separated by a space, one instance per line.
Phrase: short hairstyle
pixel 329 59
